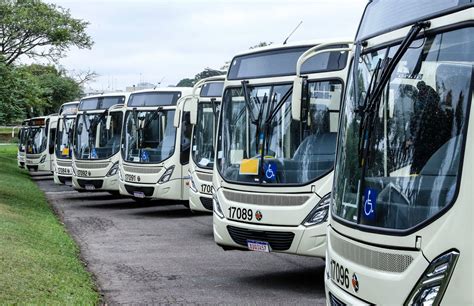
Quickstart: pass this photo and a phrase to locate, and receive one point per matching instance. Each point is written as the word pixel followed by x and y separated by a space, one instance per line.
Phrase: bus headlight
pixel 113 170
pixel 433 283
pixel 192 185
pixel 43 159
pixel 166 176
pixel 319 214
pixel 215 204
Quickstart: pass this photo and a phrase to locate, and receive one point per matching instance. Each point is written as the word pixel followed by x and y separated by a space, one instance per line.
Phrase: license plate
pixel 138 194
pixel 90 187
pixel 82 173
pixel 258 246
pixel 130 178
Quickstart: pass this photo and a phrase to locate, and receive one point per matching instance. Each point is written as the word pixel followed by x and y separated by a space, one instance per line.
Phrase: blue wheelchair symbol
pixel 370 200
pixel 145 156
pixel 270 171
pixel 93 153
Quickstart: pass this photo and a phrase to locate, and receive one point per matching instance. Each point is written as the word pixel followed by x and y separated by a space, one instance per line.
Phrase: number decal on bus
pixel 340 274
pixel 240 213
pixel 207 189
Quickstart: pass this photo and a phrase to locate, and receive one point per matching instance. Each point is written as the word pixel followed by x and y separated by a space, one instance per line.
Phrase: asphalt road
pixel 160 252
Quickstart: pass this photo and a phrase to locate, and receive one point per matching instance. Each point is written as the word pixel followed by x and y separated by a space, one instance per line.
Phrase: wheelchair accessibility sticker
pixel 270 171
pixel 370 200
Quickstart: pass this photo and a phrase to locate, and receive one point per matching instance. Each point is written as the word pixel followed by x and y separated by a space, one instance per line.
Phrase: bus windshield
pixel 204 136
pixel 92 140
pixel 274 148
pixel 149 136
pixel 409 170
pixel 64 138
pixel 36 140
pixel 22 137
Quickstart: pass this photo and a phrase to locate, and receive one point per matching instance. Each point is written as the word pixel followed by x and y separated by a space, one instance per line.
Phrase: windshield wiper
pixel 380 78
pixel 150 117
pixel 368 111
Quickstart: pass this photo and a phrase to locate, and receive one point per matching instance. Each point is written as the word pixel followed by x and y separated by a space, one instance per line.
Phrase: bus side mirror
pixel 107 123
pixel 193 109
pixel 176 118
pixel 79 128
pixel 61 125
pixel 296 98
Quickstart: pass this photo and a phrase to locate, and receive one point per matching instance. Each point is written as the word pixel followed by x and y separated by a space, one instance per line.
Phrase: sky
pixel 157 40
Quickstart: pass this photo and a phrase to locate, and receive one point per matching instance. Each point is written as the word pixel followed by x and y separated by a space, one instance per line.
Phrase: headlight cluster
pixel 216 207
pixel 114 169
pixel 166 176
pixel 319 214
pixel 431 287
pixel 43 159
pixel 192 185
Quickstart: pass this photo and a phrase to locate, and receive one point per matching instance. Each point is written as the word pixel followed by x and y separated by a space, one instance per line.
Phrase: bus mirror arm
pixel 299 88
pixel 108 123
pixel 193 110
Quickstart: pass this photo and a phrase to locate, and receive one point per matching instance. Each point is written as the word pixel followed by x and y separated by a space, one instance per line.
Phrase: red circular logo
pixel 258 215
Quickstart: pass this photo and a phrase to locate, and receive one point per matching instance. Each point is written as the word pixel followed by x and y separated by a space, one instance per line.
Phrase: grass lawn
pixel 39 262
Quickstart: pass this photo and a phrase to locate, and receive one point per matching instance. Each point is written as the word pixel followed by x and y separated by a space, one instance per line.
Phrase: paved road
pixel 162 253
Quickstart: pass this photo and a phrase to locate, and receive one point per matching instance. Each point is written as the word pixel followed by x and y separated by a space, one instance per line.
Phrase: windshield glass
pixel 382 15
pixel 92 140
pixel 36 140
pixel 149 136
pixel 292 152
pixel 64 138
pixel 204 136
pixel 22 136
pixel 417 135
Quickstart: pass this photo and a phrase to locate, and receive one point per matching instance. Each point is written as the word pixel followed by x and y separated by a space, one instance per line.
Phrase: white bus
pixel 156 138
pixel 204 120
pixel 275 155
pixel 40 143
pixel 22 137
pixel 96 143
pixel 401 229
pixel 62 161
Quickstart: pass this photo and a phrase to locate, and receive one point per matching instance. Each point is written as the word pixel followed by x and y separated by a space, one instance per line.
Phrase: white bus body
pixel 96 143
pixel 278 200
pixel 204 120
pixel 22 137
pixel 62 160
pixel 400 228
pixel 154 159
pixel 40 143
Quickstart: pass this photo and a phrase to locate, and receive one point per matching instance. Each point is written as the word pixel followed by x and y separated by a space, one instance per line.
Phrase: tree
pixel 186 83
pixel 56 87
pixel 35 29
pixel 19 92
pixel 206 73
pixel 261 44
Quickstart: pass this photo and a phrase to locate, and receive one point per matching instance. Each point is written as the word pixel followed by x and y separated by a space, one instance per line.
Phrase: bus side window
pixel 186 129
pixel 52 140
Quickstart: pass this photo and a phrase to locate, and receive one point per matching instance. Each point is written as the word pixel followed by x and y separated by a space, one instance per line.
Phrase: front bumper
pixel 200 201
pixel 107 183
pixel 308 241
pixel 170 190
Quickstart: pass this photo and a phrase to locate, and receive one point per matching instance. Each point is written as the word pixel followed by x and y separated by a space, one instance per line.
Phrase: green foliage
pixel 206 73
pixel 19 91
pixel 56 87
pixel 261 44
pixel 33 28
pixel 186 83
pixel 39 262
pixel 33 90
